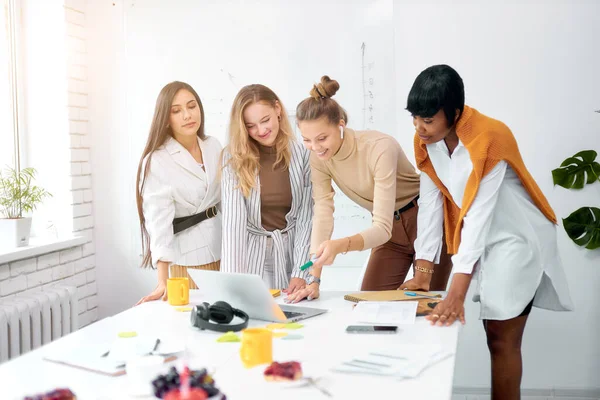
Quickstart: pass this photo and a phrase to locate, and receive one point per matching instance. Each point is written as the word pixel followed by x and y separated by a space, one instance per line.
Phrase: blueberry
pixel 210 390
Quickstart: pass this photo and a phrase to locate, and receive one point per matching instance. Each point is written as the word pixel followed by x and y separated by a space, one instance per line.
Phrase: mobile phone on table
pixel 371 329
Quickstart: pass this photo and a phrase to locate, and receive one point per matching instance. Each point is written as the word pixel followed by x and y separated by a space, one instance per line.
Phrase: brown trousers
pixel 389 263
pixel 179 271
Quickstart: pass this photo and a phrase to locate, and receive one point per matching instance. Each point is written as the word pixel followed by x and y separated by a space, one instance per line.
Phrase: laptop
pixel 249 293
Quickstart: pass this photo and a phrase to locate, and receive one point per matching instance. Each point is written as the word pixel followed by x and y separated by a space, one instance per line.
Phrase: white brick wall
pixel 74 266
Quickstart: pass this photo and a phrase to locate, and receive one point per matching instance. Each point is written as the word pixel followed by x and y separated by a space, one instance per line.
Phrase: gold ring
pixel 444 317
pixel 453 314
pixel 434 316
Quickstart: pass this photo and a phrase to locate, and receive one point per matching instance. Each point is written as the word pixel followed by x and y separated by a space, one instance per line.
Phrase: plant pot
pixel 14 232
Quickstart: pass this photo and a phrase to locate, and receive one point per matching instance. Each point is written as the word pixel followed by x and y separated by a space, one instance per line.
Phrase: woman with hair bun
pixel 371 169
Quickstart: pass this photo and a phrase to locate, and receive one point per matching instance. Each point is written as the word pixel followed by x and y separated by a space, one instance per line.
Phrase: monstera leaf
pixel 576 170
pixel 583 227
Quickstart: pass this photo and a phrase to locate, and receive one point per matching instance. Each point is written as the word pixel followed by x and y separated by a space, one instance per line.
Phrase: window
pixel 9 132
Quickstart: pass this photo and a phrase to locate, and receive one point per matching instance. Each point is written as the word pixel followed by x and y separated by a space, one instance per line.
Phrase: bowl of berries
pixel 189 385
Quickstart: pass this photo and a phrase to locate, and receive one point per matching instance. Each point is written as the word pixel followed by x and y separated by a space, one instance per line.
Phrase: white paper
pixel 405 362
pixel 386 312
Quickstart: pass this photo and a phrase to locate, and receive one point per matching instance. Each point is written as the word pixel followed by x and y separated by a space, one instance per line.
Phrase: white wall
pixel 534 66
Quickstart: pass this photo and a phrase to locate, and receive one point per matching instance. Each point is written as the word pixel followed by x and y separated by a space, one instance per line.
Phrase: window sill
pixel 39 246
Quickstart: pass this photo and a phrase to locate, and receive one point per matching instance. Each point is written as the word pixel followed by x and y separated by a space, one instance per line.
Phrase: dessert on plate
pixel 56 394
pixel 283 372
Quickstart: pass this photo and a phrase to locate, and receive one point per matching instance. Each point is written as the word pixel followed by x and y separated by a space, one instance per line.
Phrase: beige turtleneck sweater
pixel 372 170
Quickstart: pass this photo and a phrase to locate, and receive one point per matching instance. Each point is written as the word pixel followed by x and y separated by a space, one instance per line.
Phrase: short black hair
pixel 437 87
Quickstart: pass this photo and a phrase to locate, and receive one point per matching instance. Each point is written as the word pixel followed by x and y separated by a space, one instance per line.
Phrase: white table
pixel 325 343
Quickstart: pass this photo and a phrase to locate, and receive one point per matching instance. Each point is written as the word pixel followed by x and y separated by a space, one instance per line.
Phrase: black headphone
pixel 220 312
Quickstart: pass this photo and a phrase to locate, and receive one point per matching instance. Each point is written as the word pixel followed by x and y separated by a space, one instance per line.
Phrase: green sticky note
pixel 127 334
pixel 228 337
pixel 293 325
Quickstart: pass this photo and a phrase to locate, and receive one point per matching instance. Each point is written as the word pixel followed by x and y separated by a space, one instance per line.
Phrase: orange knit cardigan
pixel 488 142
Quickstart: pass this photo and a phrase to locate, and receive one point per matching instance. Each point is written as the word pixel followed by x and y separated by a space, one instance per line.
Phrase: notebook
pixel 425 304
pixel 389 295
pixel 107 359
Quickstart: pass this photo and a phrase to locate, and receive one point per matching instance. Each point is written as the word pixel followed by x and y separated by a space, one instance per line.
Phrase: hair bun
pixel 325 89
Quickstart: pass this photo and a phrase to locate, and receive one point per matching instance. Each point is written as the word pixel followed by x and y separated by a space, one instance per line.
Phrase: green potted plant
pixel 18 196
pixel 583 225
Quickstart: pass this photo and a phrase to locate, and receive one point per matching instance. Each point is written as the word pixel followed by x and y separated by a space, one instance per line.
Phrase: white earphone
pixel 342 131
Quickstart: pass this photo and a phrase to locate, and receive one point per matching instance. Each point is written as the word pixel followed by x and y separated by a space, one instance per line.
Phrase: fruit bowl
pixel 201 384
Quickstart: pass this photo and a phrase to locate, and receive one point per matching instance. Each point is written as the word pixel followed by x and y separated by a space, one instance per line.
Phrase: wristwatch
pixel 313 279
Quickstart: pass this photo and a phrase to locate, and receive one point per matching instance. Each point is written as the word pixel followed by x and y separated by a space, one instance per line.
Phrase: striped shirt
pixel 245 240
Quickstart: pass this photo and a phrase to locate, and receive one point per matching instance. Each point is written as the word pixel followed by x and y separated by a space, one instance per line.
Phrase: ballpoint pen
pixel 413 294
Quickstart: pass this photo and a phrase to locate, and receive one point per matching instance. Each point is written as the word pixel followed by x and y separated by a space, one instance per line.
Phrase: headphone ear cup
pixel 204 311
pixel 221 312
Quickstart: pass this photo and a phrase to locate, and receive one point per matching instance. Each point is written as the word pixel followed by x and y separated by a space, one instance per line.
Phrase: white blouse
pixel 504 234
pixel 177 186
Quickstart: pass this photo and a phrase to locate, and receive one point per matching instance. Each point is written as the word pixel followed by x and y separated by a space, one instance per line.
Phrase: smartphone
pixel 371 329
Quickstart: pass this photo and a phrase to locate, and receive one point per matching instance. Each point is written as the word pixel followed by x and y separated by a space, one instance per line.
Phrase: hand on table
pixel 159 292
pixel 295 285
pixel 310 292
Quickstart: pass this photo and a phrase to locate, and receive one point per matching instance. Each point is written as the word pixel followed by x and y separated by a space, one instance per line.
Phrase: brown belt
pixel 182 223
pixel 407 207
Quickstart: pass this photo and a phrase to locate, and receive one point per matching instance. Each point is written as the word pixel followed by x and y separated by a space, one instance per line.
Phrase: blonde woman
pixel 176 190
pixel 267 196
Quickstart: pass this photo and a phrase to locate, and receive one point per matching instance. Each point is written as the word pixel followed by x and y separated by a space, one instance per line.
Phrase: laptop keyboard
pixel 291 314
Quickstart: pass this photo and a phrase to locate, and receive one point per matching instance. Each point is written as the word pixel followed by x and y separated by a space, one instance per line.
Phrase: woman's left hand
pixel 295 285
pixel 310 292
pixel 448 310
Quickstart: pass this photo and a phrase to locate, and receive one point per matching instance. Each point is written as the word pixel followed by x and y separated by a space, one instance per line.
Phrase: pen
pixel 308 264
pixel 413 294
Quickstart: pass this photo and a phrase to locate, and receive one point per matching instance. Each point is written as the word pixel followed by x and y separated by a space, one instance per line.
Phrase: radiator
pixel 31 320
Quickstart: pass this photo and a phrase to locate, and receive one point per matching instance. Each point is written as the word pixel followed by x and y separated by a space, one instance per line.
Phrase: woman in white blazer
pixel 267 197
pixel 177 191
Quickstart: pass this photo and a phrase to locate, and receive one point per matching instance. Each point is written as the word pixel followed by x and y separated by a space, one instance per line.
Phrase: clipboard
pixel 425 304
pixel 390 295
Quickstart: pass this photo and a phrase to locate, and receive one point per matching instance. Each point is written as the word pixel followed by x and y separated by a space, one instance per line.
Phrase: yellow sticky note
pixel 275 326
pixel 275 292
pixel 279 334
pixel 183 309
pixel 228 337
pixel 127 334
pixel 293 325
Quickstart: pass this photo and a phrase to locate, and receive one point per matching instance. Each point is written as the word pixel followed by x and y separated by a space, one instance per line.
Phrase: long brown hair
pixel 243 149
pixel 320 103
pixel 159 133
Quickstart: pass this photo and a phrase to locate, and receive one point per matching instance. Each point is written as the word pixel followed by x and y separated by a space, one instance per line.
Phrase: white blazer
pixel 244 238
pixel 177 186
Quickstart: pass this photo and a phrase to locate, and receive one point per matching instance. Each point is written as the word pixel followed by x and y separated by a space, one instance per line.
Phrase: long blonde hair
pixel 244 160
pixel 158 135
